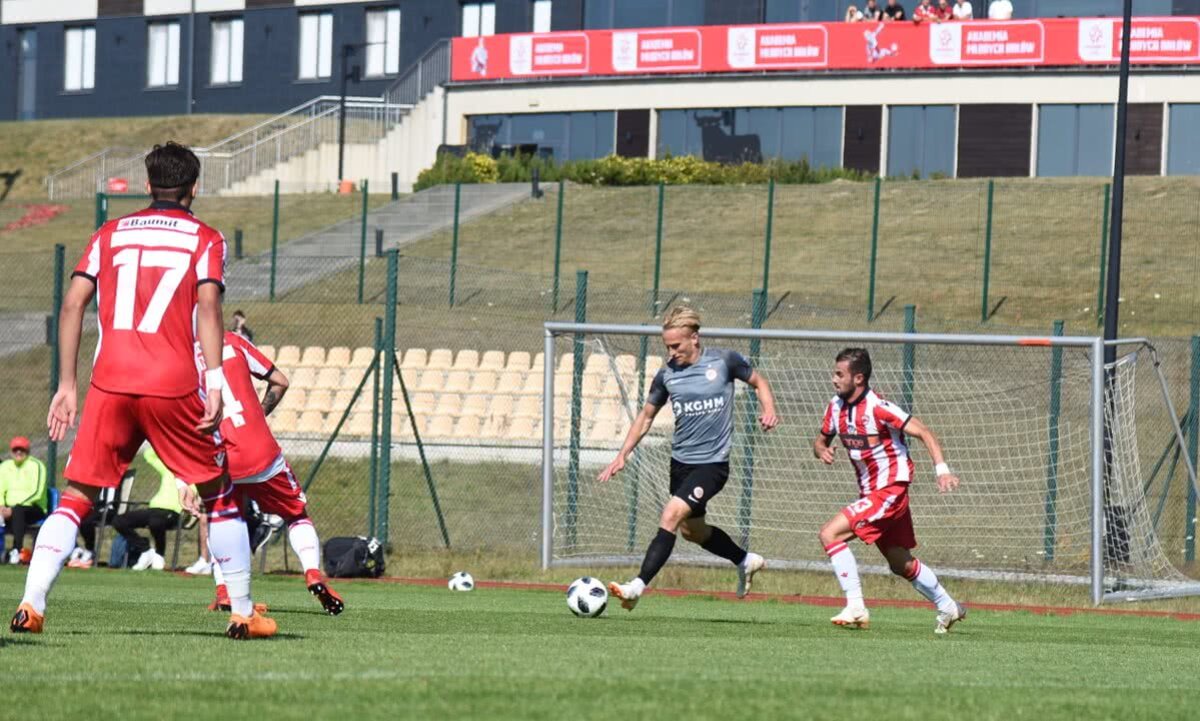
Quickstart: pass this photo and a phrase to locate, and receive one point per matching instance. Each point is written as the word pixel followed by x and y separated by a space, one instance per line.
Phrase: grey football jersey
pixel 701 397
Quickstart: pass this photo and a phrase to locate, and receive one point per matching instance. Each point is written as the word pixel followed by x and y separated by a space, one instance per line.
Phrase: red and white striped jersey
pixel 249 444
pixel 147 267
pixel 872 431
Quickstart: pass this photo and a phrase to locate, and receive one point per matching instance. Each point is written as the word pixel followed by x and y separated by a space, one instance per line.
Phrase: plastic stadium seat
pixel 518 361
pixel 627 364
pixel 441 427
pixel 493 428
pixel 467 360
pixel 533 384
pixel 283 421
pixel 289 355
pixel 510 382
pixel 563 384
pixel 502 407
pixel 522 429
pixel 304 378
pixel 492 360
pixel 528 407
pixel 319 400
pixel 653 364
pixel 342 400
pixel 440 359
pixel 331 421
pixel 314 355
pixel 338 357
pixel 483 382
pixel 538 363
pixel 360 425
pixel 310 422
pixel 362 357
pixel 457 381
pixel 329 378
pixel 410 376
pixel 592 384
pixel 431 381
pixel 609 410
pixel 602 432
pixel 449 404
pixel 597 363
pixel 475 405
pixel 566 363
pixel 414 358
pixel 402 426
pixel 268 351
pixel 294 399
pixel 422 404
pixel 468 428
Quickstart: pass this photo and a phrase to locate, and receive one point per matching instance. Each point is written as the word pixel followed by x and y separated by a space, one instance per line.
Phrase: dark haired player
pixel 872 431
pixel 159 274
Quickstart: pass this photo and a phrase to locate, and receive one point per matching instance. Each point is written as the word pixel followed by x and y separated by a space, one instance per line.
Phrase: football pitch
pixel 142 646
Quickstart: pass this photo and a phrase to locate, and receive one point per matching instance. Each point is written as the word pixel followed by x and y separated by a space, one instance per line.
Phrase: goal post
pixel 1043 435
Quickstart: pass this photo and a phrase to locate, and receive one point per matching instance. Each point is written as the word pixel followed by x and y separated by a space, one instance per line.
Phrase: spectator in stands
pixel 944 11
pixel 964 11
pixel 1000 10
pixel 924 12
pixel 86 557
pixel 159 515
pixel 240 327
pixel 894 12
pixel 871 11
pixel 854 15
pixel 24 496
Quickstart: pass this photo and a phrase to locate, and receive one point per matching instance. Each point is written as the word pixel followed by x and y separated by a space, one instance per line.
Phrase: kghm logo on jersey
pixel 698 408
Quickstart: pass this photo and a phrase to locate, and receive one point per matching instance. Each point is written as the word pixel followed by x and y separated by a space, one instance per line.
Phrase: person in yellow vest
pixel 24 496
pixel 158 516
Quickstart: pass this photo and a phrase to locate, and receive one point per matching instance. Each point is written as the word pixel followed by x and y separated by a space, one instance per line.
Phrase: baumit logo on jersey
pixel 701 407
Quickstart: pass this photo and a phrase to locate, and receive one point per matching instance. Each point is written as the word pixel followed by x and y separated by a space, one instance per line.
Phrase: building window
pixel 609 14
pixel 316 46
pixel 562 136
pixel 478 19
pixel 541 16
pixel 162 55
pixel 80 60
pixel 738 135
pixel 383 42
pixel 226 65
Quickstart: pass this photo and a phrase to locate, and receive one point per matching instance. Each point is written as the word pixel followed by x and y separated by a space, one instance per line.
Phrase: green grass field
pixel 141 646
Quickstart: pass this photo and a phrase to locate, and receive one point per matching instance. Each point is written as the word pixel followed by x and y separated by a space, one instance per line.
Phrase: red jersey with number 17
pixel 147 268
pixel 249 444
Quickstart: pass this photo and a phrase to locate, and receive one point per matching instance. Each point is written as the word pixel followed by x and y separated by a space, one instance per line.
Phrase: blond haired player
pixel 872 431
pixel 699 384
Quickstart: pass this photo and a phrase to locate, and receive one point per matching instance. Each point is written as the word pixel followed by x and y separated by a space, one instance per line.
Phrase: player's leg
pixel 674 513
pixel 700 487
pixel 901 562
pixel 834 536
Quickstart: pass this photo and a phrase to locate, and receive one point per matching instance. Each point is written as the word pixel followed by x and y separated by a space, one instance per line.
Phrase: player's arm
pixel 946 480
pixel 277 385
pixel 209 332
pixel 637 431
pixel 64 406
pixel 823 448
pixel 766 400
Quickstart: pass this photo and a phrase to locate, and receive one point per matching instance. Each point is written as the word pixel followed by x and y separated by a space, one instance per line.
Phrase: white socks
pixel 305 543
pixel 846 570
pixel 218 577
pixel 53 545
pixel 926 583
pixel 229 543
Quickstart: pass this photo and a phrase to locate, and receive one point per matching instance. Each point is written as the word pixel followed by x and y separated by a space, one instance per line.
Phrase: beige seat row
pixel 443 428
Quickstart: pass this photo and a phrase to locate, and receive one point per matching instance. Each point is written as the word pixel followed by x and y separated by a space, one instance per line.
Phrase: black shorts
pixel 697 483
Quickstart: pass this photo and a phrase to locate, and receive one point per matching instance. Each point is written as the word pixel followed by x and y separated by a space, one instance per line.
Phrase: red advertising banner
pixel 824 46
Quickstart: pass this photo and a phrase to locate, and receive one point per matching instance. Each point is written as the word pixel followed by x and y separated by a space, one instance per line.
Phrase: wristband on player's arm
pixel 941 469
pixel 214 379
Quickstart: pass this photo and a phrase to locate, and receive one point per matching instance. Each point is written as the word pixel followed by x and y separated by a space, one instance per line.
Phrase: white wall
pixel 41 11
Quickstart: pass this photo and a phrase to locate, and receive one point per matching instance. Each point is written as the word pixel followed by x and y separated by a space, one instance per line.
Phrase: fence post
pixel 454 242
pixel 101 209
pixel 766 279
pixel 395 186
pixel 874 254
pixel 237 243
pixel 274 239
pixel 387 369
pixel 758 313
pixel 379 242
pixel 362 244
pixel 1103 256
pixel 373 487
pixel 987 254
pixel 658 238
pixel 558 228
pixel 909 360
pixel 59 269
pixel 1056 356
pixel 1189 551
pixel 581 285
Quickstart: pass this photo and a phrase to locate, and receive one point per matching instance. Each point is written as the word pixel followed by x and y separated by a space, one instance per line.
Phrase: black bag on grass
pixel 353 557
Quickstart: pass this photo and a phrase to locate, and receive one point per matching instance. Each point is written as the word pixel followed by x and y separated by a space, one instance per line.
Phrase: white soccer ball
pixel 587 597
pixel 461 581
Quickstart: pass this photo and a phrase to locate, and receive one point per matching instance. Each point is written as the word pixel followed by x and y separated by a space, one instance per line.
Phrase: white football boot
pixel 628 593
pixel 145 560
pixel 200 568
pixel 750 565
pixel 852 618
pixel 946 620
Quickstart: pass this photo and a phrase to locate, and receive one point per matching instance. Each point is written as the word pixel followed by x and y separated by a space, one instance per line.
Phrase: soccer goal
pixel 1054 448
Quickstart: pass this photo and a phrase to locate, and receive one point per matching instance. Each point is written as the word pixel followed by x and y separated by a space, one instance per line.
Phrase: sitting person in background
pixel 872 11
pixel 86 557
pixel 964 11
pixel 159 515
pixel 240 327
pixel 1000 10
pixel 943 11
pixel 853 15
pixel 924 12
pixel 894 12
pixel 24 496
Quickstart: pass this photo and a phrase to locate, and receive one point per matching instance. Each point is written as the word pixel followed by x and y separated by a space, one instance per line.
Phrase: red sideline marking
pixel 830 601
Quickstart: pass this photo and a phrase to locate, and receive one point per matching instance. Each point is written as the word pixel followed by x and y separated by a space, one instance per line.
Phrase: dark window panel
pixel 633 133
pixel 1143 139
pixel 115 8
pixel 863 128
pixel 994 140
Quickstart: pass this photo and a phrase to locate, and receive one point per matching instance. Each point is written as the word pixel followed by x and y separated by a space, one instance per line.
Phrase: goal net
pixel 1052 492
